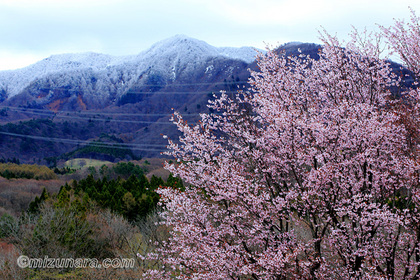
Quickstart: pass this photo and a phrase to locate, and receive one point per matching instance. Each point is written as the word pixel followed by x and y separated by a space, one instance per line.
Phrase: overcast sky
pixel 35 29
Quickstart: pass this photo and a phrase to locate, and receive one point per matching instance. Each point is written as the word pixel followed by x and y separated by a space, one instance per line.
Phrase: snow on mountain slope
pixel 246 54
pixel 183 46
pixel 117 74
pixel 14 81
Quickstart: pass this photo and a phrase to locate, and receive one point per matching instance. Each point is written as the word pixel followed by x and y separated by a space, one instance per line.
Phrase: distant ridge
pixel 68 100
pixel 179 49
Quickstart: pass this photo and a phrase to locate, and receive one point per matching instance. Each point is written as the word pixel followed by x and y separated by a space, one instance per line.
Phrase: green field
pixel 80 163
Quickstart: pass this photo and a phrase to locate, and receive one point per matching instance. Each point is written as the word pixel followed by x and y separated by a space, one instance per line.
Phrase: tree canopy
pixel 313 173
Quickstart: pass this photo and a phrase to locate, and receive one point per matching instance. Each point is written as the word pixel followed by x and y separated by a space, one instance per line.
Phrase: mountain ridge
pixel 130 97
pixel 179 48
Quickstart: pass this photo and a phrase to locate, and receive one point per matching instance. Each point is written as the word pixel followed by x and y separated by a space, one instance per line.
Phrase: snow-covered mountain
pixel 106 78
pixel 83 96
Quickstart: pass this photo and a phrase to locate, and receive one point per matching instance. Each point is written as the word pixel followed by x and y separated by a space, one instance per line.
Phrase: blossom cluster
pixel 313 173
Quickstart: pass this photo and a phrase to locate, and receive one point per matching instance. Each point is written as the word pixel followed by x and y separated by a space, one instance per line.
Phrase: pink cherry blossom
pixel 312 173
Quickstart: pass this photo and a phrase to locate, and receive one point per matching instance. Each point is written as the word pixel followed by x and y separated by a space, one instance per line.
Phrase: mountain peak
pixel 182 45
pixel 181 39
pixel 174 54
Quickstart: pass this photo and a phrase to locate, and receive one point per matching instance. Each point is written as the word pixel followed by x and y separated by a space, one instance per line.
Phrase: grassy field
pixel 80 163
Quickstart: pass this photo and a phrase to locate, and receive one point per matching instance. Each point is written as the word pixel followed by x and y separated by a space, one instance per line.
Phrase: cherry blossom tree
pixel 310 174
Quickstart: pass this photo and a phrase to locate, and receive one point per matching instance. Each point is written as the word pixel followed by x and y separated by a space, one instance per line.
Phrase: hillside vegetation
pixel 26 171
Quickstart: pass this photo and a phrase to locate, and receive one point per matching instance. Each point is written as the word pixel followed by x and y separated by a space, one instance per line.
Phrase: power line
pixel 146 92
pixel 28 110
pixel 51 114
pixel 48 113
pixel 140 147
pixel 228 83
